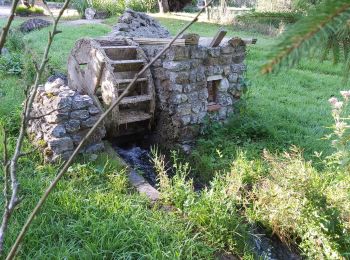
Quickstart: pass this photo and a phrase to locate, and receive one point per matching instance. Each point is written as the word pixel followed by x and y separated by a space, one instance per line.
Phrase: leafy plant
pixel 292 201
pixel 11 64
pixel 341 130
pixel 23 10
pixel 326 21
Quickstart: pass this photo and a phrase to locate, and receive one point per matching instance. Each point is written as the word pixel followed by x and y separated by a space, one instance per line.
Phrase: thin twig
pixel 65 167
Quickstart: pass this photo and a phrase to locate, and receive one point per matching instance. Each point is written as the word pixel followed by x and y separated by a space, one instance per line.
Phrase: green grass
pixel 94 214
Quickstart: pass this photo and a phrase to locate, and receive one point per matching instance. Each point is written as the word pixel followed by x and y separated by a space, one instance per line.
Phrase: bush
pixel 142 5
pixel 293 200
pixel 22 10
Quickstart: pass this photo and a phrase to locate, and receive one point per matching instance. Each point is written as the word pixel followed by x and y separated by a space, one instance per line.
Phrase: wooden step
pixel 135 99
pixel 128 47
pixel 127 81
pixel 121 52
pixel 127 65
pixel 126 117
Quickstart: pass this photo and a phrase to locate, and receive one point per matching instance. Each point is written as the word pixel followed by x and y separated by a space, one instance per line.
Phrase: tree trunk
pixel 163 6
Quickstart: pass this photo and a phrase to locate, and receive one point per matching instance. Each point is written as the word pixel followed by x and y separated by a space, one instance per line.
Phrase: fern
pixel 326 25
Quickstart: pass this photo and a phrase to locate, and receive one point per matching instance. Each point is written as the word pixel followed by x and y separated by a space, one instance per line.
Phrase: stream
pixel 266 247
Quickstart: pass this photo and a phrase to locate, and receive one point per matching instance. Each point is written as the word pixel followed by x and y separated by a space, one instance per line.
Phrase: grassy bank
pixel 105 218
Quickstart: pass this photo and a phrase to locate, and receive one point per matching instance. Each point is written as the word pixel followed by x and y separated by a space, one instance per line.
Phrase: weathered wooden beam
pixel 218 38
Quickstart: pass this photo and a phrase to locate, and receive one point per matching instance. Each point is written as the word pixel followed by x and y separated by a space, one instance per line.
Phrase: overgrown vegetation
pixel 249 175
pixel 23 10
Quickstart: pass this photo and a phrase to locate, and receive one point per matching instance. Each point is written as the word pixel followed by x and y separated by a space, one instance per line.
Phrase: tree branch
pixel 65 167
pixel 12 168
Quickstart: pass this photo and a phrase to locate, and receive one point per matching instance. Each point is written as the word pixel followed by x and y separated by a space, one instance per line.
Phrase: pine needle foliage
pixel 327 26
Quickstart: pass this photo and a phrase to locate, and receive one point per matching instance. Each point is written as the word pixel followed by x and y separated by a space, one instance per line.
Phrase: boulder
pixel 137 24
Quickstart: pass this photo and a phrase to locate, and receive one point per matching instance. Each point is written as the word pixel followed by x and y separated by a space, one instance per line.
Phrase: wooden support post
pixel 218 38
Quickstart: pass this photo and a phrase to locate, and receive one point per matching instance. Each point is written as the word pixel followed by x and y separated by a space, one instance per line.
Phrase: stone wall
pixel 69 116
pixel 184 79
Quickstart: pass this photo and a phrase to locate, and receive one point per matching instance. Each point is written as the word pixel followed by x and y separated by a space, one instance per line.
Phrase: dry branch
pixel 11 171
pixel 65 167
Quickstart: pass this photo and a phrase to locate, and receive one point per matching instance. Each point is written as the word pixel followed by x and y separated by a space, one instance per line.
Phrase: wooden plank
pixel 218 38
pixel 215 77
pixel 159 41
pixel 126 81
pixel 135 99
pixel 131 116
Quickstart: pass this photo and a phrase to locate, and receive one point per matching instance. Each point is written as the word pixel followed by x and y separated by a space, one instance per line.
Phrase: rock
pixel 95 148
pixel 80 114
pixel 101 15
pixel 224 85
pixel 72 126
pixel 58 75
pixel 186 148
pixel 60 145
pixel 33 24
pixel 82 101
pixel 90 13
pixel 54 85
pixel 89 122
pixel 93 110
pixel 58 131
pixel 136 24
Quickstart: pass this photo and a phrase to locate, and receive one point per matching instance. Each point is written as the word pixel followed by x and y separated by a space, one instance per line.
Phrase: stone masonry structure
pixel 69 116
pixel 190 84
pixel 194 83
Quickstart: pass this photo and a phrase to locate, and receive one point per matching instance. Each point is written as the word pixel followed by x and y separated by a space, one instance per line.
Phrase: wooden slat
pixel 127 65
pixel 218 38
pixel 126 81
pixel 159 41
pixel 135 99
pixel 127 117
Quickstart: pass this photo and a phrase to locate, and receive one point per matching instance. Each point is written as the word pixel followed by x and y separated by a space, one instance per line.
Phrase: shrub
pixel 292 201
pixel 142 5
pixel 22 10
pixel 341 133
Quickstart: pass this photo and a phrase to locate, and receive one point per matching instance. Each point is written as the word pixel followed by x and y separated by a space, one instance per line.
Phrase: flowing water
pixel 139 159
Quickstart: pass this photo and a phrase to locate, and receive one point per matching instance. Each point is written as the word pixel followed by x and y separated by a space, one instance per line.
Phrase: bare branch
pixel 6 28
pixel 13 162
pixel 65 167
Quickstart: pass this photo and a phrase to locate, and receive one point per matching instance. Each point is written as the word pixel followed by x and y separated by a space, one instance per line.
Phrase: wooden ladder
pixel 135 111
